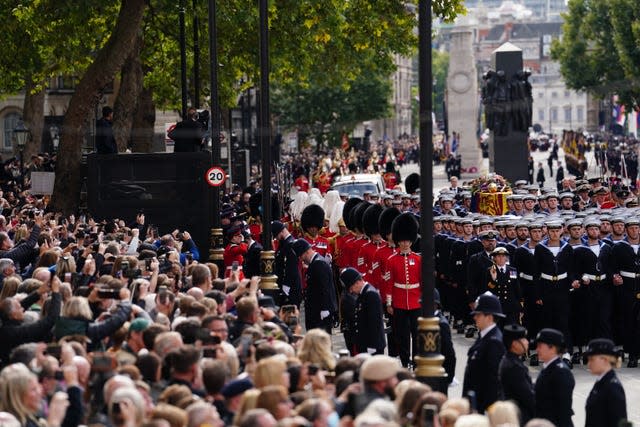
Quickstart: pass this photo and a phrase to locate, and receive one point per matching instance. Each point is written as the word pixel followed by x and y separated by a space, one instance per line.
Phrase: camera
pixel 292 321
pixel 210 353
pixel 106 293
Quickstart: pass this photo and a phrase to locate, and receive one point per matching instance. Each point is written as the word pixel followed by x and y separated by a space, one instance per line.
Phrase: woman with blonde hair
pixel 77 319
pixel 274 398
pixel 504 414
pixel 175 416
pixel 271 371
pixel 21 395
pixel 9 287
pixel 65 264
pixel 247 403
pixel 315 348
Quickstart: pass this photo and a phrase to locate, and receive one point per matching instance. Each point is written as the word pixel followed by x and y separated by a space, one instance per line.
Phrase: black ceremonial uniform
pixel 446 347
pixel 441 252
pixel 251 265
pixel 515 384
pixel 286 265
pixel 458 260
pixel 476 283
pixel 555 274
pixel 320 294
pixel 481 374
pixel 347 325
pixel 595 314
pixel 554 393
pixel 606 404
pixel 507 288
pixel 524 261
pixel 626 263
pixel 368 323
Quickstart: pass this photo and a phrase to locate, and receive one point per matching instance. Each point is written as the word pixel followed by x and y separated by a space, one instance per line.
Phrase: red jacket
pixel 378 276
pixel 405 277
pixel 367 252
pixel 341 244
pixel 233 253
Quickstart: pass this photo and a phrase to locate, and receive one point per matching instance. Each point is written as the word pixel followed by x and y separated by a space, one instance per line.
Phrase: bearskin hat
pixel 412 183
pixel 357 214
pixel 390 167
pixel 312 216
pixel 370 219
pixel 404 227
pixel 386 219
pixel 349 205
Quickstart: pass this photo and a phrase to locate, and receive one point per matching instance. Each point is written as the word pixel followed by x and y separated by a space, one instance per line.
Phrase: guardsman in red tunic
pixel 234 252
pixel 390 177
pixel 379 271
pixel 405 275
pixel 357 215
pixel 369 249
pixel 312 221
pixel 302 183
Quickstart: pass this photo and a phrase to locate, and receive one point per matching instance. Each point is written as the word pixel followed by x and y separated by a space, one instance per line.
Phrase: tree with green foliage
pixel 598 49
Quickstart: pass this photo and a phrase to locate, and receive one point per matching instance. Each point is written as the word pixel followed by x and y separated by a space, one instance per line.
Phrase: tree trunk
pixel 33 117
pixel 126 103
pixel 144 123
pixel 100 73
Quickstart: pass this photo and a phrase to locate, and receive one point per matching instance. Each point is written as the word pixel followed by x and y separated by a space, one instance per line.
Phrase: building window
pixel 567 114
pixel 540 94
pixel 541 114
pixel 566 93
pixel 554 94
pixel 580 114
pixel 10 121
pixel 553 114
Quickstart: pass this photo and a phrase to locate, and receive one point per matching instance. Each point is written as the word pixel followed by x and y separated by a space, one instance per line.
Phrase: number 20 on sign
pixel 215 176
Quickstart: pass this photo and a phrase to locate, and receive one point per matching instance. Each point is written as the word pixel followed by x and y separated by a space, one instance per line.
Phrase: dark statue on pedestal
pixel 507 100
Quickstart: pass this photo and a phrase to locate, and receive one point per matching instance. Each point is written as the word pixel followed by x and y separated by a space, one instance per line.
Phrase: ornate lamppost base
pixel 216 251
pixel 429 361
pixel 269 281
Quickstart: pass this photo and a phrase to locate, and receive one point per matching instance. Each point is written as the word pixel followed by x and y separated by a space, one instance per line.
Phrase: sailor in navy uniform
pixel 458 260
pixel 484 356
pixel 592 259
pixel 626 280
pixel 554 261
pixel 368 324
pixel 479 263
pixel 555 382
pixel 502 281
pixel 524 261
pixel 606 404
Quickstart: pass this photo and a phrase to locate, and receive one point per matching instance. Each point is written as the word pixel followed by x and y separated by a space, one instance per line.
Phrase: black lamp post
pixel 22 134
pixel 428 360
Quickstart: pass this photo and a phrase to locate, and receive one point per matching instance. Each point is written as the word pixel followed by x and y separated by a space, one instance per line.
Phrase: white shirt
pixel 544 365
pixel 486 330
pixel 555 250
pixel 595 249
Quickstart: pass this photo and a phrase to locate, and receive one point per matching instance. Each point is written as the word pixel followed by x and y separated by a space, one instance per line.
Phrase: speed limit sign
pixel 215 176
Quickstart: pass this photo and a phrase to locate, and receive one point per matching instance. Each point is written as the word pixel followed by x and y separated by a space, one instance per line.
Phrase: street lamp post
pixel 216 251
pixel 267 257
pixel 21 133
pixel 428 359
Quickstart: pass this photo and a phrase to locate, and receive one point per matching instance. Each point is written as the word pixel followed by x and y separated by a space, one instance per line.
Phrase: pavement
pixel 630 377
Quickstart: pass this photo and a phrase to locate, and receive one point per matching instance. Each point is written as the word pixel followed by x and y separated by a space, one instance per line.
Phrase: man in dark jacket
pixel 251 265
pixel 286 265
pixel 555 383
pixel 188 133
pixel 484 356
pixel 515 381
pixel 14 332
pixel 320 294
pixel 368 326
pixel 105 141
pixel 446 343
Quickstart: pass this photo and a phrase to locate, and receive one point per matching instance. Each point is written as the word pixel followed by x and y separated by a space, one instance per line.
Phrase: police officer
pixel 320 303
pixel 404 269
pixel 484 356
pixel 555 383
pixel 502 281
pixel 606 404
pixel 514 379
pixel 368 324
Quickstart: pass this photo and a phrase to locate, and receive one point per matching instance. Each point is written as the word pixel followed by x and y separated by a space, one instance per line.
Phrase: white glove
pixel 286 289
pixel 324 314
pixel 371 350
